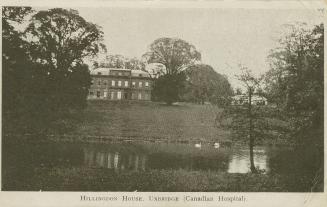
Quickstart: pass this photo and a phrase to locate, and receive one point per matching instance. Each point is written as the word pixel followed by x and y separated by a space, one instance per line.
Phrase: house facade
pixel 244 99
pixel 120 84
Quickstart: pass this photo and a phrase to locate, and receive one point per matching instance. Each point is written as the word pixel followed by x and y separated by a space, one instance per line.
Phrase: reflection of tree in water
pixel 240 162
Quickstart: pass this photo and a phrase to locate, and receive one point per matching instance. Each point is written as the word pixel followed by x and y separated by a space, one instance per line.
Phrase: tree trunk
pixel 253 169
pixel 251 141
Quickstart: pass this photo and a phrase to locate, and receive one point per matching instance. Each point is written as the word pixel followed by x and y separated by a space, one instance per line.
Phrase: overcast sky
pixel 225 37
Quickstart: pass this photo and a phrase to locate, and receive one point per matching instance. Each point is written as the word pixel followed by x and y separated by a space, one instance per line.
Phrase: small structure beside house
pixel 120 84
pixel 244 99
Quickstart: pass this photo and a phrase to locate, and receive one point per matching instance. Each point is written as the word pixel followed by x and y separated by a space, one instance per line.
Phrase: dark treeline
pixel 294 85
pixel 295 81
pixel 44 76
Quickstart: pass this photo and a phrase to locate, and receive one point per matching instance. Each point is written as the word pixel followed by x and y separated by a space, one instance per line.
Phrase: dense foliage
pixel 295 81
pixel 203 83
pixel 43 71
pixel 168 88
pixel 14 57
pixel 294 86
pixel 176 55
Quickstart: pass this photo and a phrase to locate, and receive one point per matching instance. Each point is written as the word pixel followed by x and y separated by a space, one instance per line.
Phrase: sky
pixel 225 37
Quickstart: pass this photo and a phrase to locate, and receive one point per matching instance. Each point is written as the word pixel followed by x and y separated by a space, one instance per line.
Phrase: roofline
pixel 112 68
pixel 115 76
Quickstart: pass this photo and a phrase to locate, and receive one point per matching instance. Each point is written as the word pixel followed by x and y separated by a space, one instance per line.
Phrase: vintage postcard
pixel 162 103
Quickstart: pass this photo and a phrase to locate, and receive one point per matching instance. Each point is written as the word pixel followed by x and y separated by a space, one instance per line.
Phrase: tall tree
pixel 251 83
pixel 295 81
pixel 248 122
pixel 205 84
pixel 60 39
pixel 14 57
pixel 176 55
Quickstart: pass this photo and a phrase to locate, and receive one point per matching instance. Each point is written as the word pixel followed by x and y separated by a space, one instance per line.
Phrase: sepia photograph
pixel 149 99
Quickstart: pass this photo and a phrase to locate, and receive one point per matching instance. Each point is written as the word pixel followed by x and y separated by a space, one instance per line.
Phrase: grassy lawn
pixel 150 121
pixel 81 179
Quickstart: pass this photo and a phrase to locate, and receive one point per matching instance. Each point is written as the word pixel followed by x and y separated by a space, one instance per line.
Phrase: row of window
pixel 117 73
pixel 118 95
pixel 125 83
pixel 120 74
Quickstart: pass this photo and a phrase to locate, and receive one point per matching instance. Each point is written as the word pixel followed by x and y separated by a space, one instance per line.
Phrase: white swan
pixel 198 145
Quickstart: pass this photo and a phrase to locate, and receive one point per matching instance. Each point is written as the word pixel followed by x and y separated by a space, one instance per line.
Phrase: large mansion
pixel 120 84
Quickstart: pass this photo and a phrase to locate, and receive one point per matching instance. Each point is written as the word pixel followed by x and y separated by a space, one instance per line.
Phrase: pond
pixel 143 156
pixel 21 161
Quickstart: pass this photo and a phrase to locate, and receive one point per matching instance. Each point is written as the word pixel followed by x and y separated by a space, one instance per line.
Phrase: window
pixel 140 75
pixel 113 83
pixel 104 82
pixel 140 84
pixel 99 73
pixel 119 95
pixel 91 93
pixel 147 84
pixel 119 83
pixel 126 83
pixel 146 96
pixel 119 73
pixel 112 95
pixel 98 94
pixel 99 82
pixel 139 96
pixel 133 83
pixel 105 94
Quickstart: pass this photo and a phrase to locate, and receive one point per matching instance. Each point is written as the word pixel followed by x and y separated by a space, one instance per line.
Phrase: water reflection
pixel 114 160
pixel 240 162
pixel 140 157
